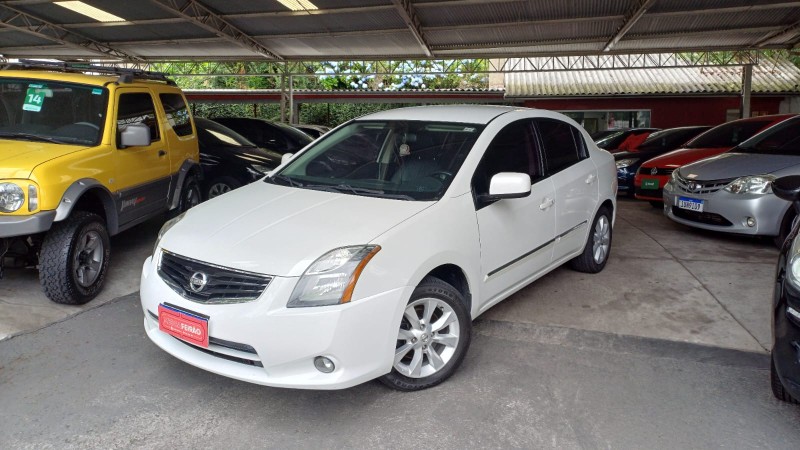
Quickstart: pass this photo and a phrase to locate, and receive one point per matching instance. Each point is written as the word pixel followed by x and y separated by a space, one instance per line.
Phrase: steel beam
pixel 409 15
pixel 636 13
pixel 787 31
pixel 200 15
pixel 35 26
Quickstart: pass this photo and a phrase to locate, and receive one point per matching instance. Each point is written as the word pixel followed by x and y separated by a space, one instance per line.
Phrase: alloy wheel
pixel 88 258
pixel 427 339
pixel 601 240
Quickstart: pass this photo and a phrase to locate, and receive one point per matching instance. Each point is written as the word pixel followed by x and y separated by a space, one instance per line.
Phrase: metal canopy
pixel 220 30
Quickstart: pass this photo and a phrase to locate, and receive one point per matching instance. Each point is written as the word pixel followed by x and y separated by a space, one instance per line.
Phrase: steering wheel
pixel 88 124
pixel 441 175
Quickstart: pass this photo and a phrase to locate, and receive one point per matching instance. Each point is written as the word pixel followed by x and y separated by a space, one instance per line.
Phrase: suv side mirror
pixel 787 188
pixel 509 185
pixel 286 157
pixel 135 135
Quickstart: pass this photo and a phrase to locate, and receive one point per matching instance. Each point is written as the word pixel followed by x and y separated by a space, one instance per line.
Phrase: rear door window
pixel 177 113
pixel 561 144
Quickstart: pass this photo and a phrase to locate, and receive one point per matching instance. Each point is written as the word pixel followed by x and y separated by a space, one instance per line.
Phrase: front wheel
pixel 598 245
pixel 775 383
pixel 190 194
pixel 74 259
pixel 432 339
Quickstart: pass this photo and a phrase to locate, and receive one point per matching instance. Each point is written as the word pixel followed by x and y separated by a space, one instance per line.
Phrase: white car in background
pixel 370 252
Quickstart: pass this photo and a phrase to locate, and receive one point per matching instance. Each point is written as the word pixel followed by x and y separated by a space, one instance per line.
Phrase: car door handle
pixel 162 153
pixel 590 179
pixel 548 202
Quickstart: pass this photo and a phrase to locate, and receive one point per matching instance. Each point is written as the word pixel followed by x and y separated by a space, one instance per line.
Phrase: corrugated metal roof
pixel 770 76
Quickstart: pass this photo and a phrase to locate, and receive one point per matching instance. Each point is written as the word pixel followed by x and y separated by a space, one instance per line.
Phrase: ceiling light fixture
pixel 90 11
pixel 298 5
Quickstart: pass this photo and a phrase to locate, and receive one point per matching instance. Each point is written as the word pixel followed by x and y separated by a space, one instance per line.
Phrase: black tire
pixel 786 228
pixel 213 187
pixel 777 387
pixel 434 288
pixel 190 196
pixel 656 204
pixel 66 260
pixel 586 261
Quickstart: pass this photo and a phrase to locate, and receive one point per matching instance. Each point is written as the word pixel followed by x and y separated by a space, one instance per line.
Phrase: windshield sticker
pixel 97 92
pixel 34 98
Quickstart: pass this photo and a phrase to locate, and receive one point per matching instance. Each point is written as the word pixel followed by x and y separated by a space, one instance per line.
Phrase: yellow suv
pixel 85 153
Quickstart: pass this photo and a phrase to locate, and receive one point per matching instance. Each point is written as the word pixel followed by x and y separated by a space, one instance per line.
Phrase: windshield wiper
pixel 373 192
pixel 32 137
pixel 285 179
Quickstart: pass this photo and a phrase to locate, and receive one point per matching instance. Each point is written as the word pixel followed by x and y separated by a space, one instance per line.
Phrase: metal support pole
pixel 284 95
pixel 747 84
pixel 291 100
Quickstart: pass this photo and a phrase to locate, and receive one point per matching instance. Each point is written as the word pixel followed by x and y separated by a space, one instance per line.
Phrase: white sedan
pixel 369 253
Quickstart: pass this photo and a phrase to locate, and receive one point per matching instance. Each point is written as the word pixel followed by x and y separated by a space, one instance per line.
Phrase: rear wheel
pixel 598 245
pixel 432 339
pixel 777 387
pixel 74 259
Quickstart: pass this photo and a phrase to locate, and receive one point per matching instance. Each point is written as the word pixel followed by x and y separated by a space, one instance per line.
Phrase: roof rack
pixel 126 75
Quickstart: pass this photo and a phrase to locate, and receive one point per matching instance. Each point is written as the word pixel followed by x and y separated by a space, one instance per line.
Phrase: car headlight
pixel 623 163
pixel 758 184
pixel 12 197
pixel 330 280
pixel 164 228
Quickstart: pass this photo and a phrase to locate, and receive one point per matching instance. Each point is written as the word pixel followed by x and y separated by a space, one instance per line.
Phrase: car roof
pixel 80 78
pixel 478 114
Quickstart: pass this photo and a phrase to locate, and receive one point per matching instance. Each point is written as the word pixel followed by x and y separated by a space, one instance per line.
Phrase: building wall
pixel 666 112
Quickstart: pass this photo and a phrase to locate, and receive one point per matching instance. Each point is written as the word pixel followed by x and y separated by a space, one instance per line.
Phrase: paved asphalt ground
pixel 95 381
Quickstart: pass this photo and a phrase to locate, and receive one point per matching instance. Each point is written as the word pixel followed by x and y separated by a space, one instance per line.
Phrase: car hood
pixel 251 155
pixel 682 156
pixel 279 230
pixel 734 165
pixel 19 158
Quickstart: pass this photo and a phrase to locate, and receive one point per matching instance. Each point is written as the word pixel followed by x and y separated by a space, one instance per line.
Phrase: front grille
pixel 701 217
pixel 700 187
pixel 245 361
pixel 659 171
pixel 223 285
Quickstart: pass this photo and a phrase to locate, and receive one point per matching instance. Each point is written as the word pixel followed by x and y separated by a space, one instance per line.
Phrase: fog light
pixel 751 222
pixel 323 364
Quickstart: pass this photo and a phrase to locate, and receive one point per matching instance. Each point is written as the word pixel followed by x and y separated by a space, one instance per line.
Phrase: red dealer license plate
pixel 184 325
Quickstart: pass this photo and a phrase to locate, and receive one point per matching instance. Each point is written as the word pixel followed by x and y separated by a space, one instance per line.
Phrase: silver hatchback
pixel 732 192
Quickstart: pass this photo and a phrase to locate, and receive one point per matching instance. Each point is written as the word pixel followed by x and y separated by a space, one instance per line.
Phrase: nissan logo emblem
pixel 654 171
pixel 198 281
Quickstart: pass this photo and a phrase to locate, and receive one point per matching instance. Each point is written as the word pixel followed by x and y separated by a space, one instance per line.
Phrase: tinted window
pixel 212 134
pixel 729 134
pixel 136 108
pixel 560 147
pixel 783 139
pixel 177 113
pixel 512 150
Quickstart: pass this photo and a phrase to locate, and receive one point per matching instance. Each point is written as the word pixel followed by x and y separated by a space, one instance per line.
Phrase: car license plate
pixel 649 183
pixel 691 204
pixel 185 325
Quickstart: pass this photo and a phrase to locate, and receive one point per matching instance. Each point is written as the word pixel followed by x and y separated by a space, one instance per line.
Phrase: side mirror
pixel 286 157
pixel 509 185
pixel 787 188
pixel 135 135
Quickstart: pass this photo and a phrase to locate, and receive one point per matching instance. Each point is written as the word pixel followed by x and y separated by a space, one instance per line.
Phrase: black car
pixel 785 357
pixel 314 131
pixel 614 141
pixel 273 136
pixel 229 160
pixel 656 144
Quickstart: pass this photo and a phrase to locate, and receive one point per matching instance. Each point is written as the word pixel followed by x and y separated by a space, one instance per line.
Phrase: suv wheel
pixel 190 194
pixel 433 337
pixel 74 259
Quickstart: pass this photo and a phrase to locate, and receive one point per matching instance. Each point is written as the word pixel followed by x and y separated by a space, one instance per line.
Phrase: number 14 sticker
pixel 34 98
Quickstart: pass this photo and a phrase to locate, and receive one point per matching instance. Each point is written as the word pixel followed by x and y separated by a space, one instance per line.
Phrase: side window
pixel 274 139
pixel 561 144
pixel 135 108
pixel 177 113
pixel 512 150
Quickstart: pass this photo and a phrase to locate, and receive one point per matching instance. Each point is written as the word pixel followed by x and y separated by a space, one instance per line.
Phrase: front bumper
pixel 786 340
pixel 650 192
pixel 264 342
pixel 11 226
pixel 625 177
pixel 727 212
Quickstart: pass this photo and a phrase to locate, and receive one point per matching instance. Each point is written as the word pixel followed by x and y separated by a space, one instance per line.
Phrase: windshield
pixel 782 139
pixel 612 140
pixel 51 111
pixel 669 139
pixel 729 134
pixel 407 160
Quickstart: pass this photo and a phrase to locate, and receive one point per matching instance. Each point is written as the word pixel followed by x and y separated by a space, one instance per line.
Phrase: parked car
pixel 272 136
pixel 229 160
pixel 624 139
pixel 784 359
pixel 656 144
pixel 323 278
pixel 84 156
pixel 732 192
pixel 315 131
pixel 654 174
